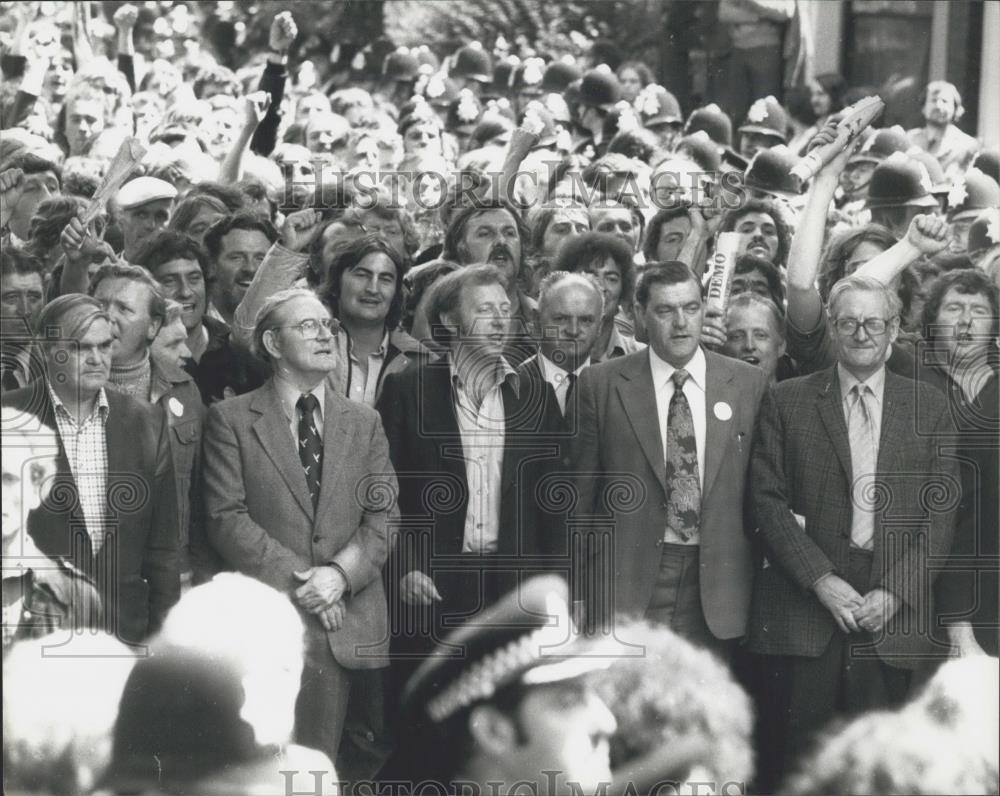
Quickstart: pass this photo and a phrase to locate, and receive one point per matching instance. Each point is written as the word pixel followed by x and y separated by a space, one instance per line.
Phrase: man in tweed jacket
pixel 842 615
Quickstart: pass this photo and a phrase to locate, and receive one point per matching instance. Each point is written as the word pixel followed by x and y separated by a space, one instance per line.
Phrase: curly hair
pixel 672 693
pixel 967 281
pixel 593 248
pixel 732 217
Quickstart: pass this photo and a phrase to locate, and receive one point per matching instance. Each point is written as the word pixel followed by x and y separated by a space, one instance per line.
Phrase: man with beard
pixel 942 107
pixel 493 232
pixel 762 231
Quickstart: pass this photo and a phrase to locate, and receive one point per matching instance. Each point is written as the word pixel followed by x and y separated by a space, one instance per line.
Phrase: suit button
pixel 659 542
pixel 316 540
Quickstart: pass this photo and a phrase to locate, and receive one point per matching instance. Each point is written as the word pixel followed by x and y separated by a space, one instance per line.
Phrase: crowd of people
pixel 379 435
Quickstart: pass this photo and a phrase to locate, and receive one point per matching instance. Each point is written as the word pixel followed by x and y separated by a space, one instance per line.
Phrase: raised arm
pixel 805 306
pixel 125 19
pixel 272 81
pixel 927 235
pixel 256 107
pixel 283 264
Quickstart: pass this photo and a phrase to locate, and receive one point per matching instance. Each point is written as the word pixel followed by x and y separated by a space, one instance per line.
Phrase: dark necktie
pixel 571 387
pixel 310 445
pixel 683 483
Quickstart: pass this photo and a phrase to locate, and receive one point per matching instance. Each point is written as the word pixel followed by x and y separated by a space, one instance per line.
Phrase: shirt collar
pixel 663 371
pixel 102 403
pixel 554 374
pixel 875 382
pixel 290 394
pixel 379 352
pixel 503 373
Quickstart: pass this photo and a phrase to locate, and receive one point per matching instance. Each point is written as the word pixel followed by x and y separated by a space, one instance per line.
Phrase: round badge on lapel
pixel 722 410
pixel 176 407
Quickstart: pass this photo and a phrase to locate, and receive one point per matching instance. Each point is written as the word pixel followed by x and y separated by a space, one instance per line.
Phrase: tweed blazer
pixel 802 466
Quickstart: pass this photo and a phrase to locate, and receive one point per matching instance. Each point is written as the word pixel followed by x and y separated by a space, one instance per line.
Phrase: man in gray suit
pixel 661 453
pixel 298 494
pixel 854 500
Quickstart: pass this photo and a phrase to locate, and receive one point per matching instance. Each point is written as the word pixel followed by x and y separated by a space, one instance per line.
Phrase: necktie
pixel 310 445
pixel 861 431
pixel 683 482
pixel 570 387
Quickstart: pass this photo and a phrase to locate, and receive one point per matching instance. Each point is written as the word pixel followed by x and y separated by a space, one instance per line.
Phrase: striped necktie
pixel 861 431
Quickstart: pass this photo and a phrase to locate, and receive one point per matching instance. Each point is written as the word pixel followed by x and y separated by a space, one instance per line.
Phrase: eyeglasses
pixel 309 328
pixel 848 327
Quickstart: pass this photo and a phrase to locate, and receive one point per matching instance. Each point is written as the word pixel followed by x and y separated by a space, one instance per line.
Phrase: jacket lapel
pixel 436 410
pixel 832 415
pixel 638 397
pixel 718 381
pixel 271 428
pixel 335 429
pixel 896 422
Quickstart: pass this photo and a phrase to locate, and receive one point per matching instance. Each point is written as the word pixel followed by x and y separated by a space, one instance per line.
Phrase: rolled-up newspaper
pixel 720 279
pixel 853 120
pixel 129 154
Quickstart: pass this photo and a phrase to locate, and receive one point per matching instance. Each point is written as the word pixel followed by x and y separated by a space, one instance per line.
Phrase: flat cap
pixel 144 189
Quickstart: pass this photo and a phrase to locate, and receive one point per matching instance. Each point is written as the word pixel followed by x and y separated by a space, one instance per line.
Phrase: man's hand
pixel 827 135
pixel 283 32
pixel 877 608
pixel 255 108
pixel 418 588
pixel 80 246
pixel 713 328
pixel 332 618
pixel 322 587
pixel 928 234
pixel 126 17
pixel 11 185
pixel 840 599
pixel 300 229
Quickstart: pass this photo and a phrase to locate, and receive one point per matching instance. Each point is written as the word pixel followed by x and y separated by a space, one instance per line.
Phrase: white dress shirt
pixel 694 391
pixel 289 395
pixel 483 432
pixel 558 378
pixel 876 383
pixel 362 384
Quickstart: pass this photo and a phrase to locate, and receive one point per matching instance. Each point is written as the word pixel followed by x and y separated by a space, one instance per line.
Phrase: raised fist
pixel 283 32
pixel 126 17
pixel 928 233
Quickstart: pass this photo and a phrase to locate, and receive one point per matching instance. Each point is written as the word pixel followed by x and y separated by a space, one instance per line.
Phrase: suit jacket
pixel 551 416
pixel 261 521
pixel 622 486
pixel 418 409
pixel 802 465
pixel 137 568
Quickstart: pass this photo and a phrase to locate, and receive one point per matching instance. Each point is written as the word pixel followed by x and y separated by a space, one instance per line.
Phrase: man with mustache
pixel 763 233
pixel 493 232
pixel 942 108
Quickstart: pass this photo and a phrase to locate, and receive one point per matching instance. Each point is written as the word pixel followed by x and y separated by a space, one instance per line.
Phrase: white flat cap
pixel 144 189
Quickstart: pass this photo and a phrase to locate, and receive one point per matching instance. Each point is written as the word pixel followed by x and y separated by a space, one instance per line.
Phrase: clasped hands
pixel 852 612
pixel 322 594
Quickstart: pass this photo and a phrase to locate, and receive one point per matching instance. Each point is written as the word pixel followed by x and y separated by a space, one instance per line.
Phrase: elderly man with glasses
pixel 299 493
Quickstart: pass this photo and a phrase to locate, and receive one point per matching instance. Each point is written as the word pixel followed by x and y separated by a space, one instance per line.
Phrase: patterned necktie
pixel 863 457
pixel 683 482
pixel 310 445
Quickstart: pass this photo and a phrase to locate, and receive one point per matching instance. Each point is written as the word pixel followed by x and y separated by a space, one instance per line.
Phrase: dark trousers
pixel 799 696
pixel 676 600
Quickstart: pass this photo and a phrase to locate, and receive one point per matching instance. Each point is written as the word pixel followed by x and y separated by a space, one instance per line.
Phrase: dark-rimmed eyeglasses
pixel 848 327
